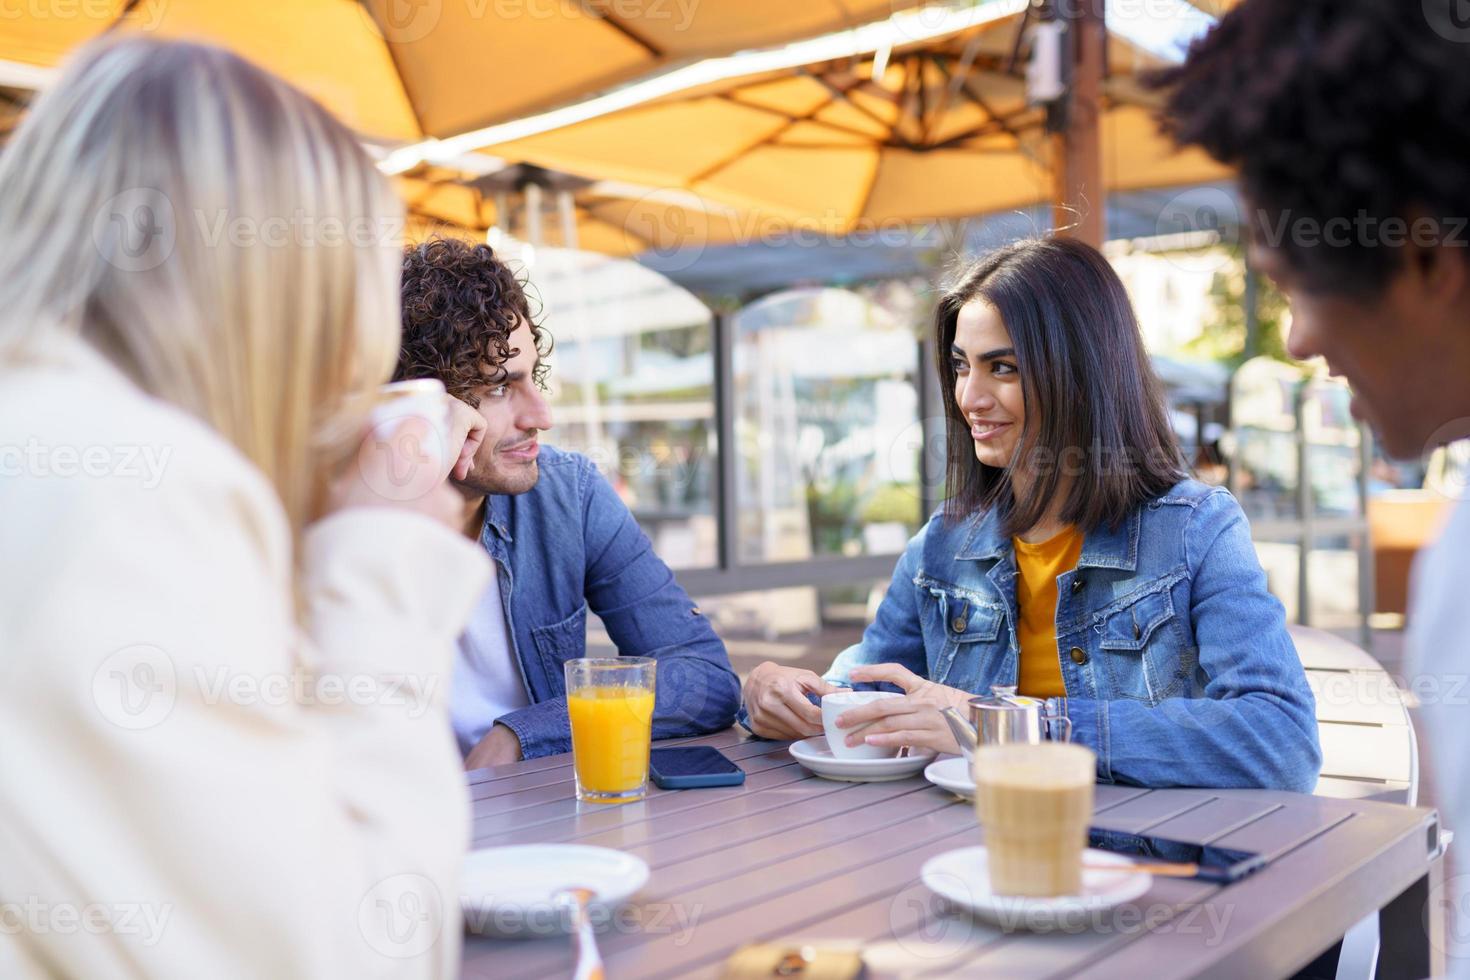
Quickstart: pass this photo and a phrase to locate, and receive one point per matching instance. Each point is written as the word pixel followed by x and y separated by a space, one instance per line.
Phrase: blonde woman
pixel 225 633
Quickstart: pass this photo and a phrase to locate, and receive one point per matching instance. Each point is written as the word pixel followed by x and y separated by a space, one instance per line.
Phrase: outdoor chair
pixel 1369 751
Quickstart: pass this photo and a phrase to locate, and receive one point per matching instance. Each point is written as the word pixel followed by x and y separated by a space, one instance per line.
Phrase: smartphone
pixel 694 767
pixel 1218 864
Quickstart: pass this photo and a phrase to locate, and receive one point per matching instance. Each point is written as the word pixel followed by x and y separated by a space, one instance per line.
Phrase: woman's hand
pixel 913 720
pixel 776 703
pixel 402 465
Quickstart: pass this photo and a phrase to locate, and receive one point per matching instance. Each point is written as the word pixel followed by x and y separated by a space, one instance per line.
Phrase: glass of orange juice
pixel 610 702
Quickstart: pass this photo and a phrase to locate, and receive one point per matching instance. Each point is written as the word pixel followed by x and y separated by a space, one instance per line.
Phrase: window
pixel 827 427
pixel 632 387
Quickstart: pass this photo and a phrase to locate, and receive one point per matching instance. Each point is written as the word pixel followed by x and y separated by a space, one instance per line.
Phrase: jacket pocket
pixel 954 621
pixel 1142 644
pixel 560 642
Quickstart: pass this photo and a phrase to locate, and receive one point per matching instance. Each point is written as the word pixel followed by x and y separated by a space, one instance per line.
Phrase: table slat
pixel 789 857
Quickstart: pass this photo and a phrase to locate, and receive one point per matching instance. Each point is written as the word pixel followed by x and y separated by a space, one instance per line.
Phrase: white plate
pixel 963 877
pixel 814 755
pixel 510 891
pixel 952 774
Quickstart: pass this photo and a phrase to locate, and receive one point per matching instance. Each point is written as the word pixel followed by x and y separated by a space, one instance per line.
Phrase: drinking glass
pixel 610 702
pixel 1034 803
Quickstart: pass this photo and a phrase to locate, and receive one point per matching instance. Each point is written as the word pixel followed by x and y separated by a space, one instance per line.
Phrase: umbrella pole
pixel 533 215
pixel 1079 203
pixel 503 219
pixel 567 210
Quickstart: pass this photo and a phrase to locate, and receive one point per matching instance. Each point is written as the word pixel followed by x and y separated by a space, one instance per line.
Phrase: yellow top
pixel 1037 568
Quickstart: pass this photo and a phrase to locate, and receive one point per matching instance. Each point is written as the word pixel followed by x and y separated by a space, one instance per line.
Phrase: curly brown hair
pixel 461 303
pixel 1334 109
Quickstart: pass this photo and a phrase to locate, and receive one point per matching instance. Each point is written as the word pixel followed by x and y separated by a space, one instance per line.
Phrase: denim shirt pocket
pixel 956 620
pixel 1143 646
pixel 560 642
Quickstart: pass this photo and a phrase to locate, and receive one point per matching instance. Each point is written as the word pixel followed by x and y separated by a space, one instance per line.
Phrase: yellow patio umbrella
pixel 936 129
pixel 403 70
pixel 538 207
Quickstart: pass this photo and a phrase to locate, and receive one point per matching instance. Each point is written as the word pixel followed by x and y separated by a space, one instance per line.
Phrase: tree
pixel 1224 335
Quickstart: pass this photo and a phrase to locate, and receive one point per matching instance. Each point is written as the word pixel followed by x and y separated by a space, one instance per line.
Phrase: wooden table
pixel 792 858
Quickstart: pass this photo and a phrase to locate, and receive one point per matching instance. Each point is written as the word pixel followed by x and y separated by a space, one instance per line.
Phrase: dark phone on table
pixel 693 768
pixel 1218 864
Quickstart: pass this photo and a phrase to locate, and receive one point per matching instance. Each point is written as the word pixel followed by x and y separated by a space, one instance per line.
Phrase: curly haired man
pixel 562 540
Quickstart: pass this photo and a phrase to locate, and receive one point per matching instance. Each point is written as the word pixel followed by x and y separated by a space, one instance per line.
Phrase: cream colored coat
pixel 193 784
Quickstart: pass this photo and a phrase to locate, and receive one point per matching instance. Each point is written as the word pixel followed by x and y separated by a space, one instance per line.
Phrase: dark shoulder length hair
pixel 1094 408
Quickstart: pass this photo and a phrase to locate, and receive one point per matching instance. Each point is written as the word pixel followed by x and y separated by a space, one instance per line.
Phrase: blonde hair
pixel 216 234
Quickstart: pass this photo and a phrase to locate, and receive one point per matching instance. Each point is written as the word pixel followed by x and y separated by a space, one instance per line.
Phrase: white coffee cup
pixel 421 398
pixel 841 701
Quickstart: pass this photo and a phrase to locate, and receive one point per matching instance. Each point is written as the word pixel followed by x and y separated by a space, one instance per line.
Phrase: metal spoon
pixel 573 902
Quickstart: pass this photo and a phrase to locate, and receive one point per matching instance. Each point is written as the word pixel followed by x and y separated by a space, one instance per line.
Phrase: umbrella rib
pixel 959 82
pixel 919 100
pixel 122 15
pixel 791 121
pixel 967 59
pixel 967 87
pixel 594 9
pixel 984 129
pixel 840 94
pixel 836 127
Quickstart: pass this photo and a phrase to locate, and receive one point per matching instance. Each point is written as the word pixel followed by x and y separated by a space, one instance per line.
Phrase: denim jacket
pixel 569 545
pixel 1176 661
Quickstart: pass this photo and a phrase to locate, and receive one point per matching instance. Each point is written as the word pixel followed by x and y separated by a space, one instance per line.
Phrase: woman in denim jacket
pixel 1073 558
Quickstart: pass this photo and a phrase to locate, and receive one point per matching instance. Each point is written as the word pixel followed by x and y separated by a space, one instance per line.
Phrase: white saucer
pixel 814 754
pixel 962 876
pixel 952 774
pixel 510 891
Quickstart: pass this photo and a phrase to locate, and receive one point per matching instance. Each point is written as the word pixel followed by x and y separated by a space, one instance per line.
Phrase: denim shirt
pixel 569 545
pixel 1176 661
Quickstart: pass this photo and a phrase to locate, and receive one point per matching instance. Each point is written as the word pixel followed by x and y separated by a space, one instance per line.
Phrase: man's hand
pixel 498 747
pixel 466 431
pixel 912 720
pixel 775 700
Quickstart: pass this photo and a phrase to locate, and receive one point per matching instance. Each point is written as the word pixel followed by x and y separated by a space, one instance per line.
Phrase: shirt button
pixel 959 624
pixel 1077 584
pixel 1079 656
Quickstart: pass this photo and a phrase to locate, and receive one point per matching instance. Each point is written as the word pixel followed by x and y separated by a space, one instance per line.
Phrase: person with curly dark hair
pixel 1350 123
pixel 467 322
pixel 562 539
